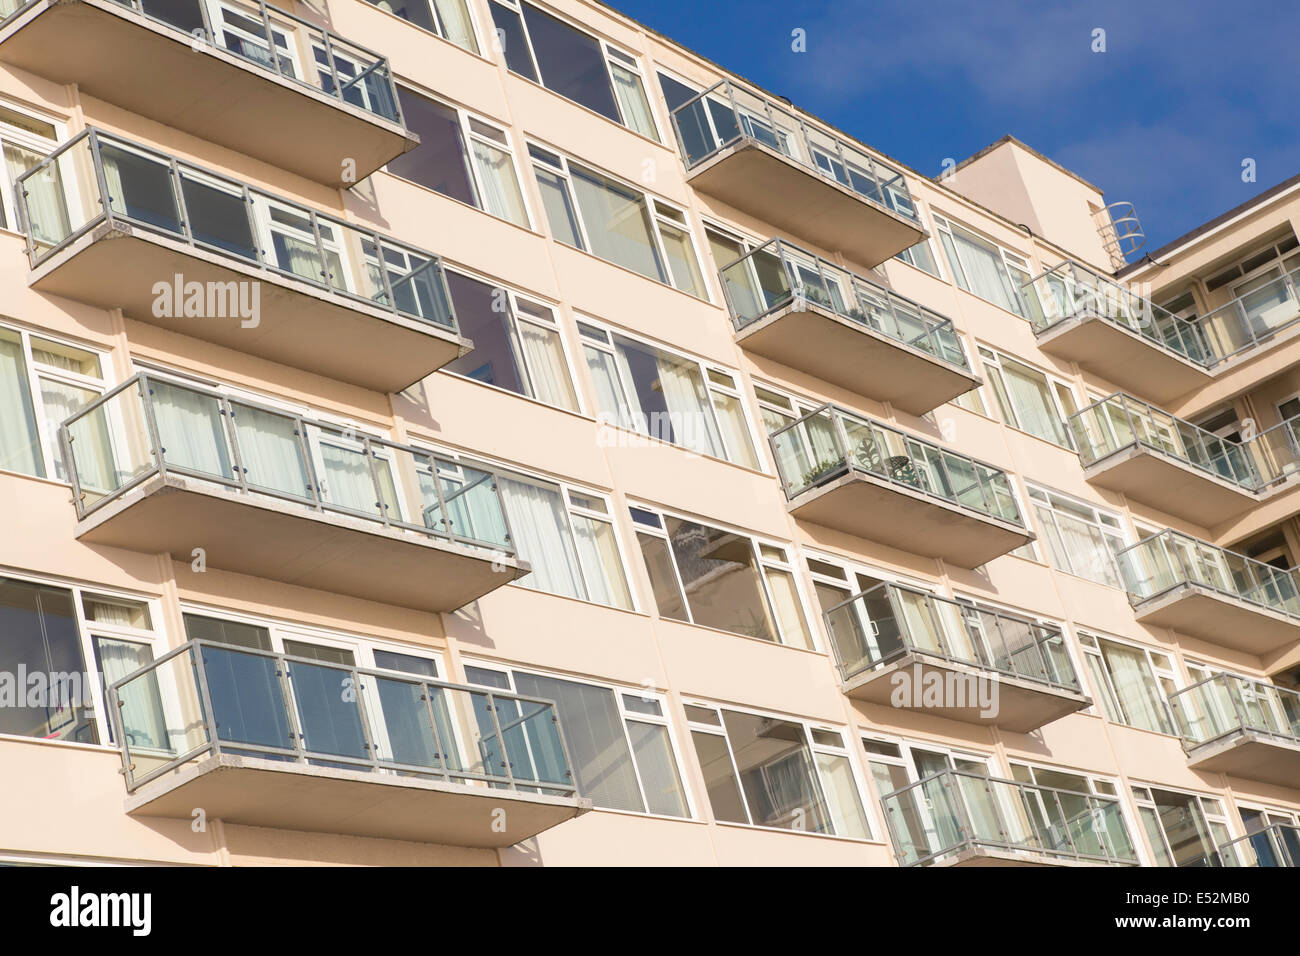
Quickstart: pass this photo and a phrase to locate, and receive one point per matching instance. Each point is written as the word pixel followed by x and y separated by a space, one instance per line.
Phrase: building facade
pixel 485 432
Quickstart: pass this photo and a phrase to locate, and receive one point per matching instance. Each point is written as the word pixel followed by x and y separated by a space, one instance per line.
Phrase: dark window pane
pixel 776 771
pixel 439 161
pixel 663 581
pixel 184 15
pixel 494 359
pixel 406 663
pixel 218 218
pixel 720 575
pixel 719 778
pixel 413 11
pixel 674 92
pixel 140 187
pixel 510 34
pixel 593 731
pixel 234 633
pixel 39 630
pixel 571 62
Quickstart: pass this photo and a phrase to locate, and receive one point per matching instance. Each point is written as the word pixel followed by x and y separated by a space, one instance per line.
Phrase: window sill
pixel 814 651
pixel 634 612
pixel 640 438
pixel 529 230
pixel 861 841
pixel 56 482
pixel 644 278
pixel 437 36
pixel 67 744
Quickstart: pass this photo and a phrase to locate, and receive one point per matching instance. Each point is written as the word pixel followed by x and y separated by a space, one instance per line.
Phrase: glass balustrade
pixel 955 811
pixel 1227 704
pixel 889 620
pixel 829 442
pixel 726 114
pixel 1276 845
pixel 96 178
pixel 150 426
pixel 206 699
pixel 777 275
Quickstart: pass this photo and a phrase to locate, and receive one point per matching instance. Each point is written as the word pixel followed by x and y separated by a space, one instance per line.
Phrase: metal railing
pixel 830 441
pixel 276 41
pixel 777 274
pixel 207 699
pixel 1228 703
pixel 150 426
pixel 1275 845
pixel 955 810
pixel 726 114
pixel 1171 559
pixel 1121 421
pixel 1250 320
pixel 1070 290
pixel 97 178
pixel 890 620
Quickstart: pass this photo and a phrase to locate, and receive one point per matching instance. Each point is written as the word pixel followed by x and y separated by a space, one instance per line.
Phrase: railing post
pixel 501 739
pixel 439 753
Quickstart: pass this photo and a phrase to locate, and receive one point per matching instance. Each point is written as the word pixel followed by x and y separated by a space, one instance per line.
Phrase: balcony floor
pixel 299 325
pixel 764 183
pixel 854 356
pixel 257 792
pixel 1123 358
pixel 1171 486
pixel 141 65
pixel 1020 705
pixel 997 856
pixel 1250 756
pixel 1211 617
pixel 284 541
pixel 877 510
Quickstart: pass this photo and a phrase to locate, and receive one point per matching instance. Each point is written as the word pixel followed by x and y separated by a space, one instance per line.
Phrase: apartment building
pixel 485 432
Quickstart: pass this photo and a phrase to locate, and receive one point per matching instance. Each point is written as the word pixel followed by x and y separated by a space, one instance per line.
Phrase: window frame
pixel 513 298
pixel 465 119
pixel 1089 642
pixel 1034 495
pixel 1146 801
pixel 27 140
pixel 844 732
pixel 618 691
pixel 155 638
pixel 705 367
pixel 652 202
pixel 1011 262
pixel 51 450
pixel 993 359
pixel 762 563
pixel 470 8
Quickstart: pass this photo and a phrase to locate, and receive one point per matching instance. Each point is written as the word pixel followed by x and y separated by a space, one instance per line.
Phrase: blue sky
pixel 1186 90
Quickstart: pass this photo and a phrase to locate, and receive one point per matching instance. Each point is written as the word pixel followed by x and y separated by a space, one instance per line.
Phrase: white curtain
pixel 688 407
pixel 541 532
pixel 456 23
pixel 346 479
pixel 985 272
pixel 731 421
pixel 191 430
pixel 632 100
pixel 60 402
pixel 609 393
pixel 20 448
pixel 1135 686
pixel 1033 402
pixel 618 223
pixel 142 715
pixel 271 451
pixel 501 193
pixel 544 358
pixel 599 553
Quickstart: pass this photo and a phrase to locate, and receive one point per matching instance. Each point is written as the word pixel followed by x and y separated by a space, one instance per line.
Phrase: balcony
pixel 956 818
pixel 764 160
pixel 858 476
pixel 1204 591
pixel 1241 727
pixel 1276 845
pixel 1108 330
pixel 320 106
pixel 795 308
pixel 959 661
pixel 267 740
pixel 1253 321
pixel 160 467
pixel 116 225
pixel 1129 446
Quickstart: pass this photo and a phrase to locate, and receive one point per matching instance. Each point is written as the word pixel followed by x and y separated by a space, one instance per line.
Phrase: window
pixel 52 631
pixel 1183 829
pixel 619 741
pixel 461 156
pixel 565 533
pixel 579 67
pixel 25 141
pixel 449 19
pixel 705 575
pixel 769 771
pixel 1133 683
pixel 517 343
pixel 42 382
pixel 618 223
pixel 1082 540
pixel 921 255
pixel 668 396
pixel 983 268
pixel 1028 399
